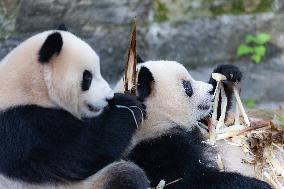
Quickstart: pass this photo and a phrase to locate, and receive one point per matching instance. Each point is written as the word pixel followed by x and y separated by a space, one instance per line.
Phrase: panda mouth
pixel 204 107
pixel 92 108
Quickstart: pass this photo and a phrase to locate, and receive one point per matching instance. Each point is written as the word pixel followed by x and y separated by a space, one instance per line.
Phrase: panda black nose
pixel 109 99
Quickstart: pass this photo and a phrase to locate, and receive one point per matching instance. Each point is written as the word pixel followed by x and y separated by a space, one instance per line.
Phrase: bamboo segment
pixel 212 123
pixel 241 107
pixel 237 115
pixel 221 121
pixel 131 62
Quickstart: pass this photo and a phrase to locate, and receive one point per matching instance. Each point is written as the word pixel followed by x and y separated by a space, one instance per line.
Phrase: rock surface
pixel 198 33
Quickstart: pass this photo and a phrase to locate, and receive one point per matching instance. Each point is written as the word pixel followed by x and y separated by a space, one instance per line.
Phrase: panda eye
pixel 187 87
pixel 87 80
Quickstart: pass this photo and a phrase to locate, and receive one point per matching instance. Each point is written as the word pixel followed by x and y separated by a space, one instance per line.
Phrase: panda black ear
pixel 145 81
pixel 52 46
pixel 62 27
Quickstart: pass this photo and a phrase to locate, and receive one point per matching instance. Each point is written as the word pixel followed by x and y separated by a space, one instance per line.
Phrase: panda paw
pixel 124 100
pixel 230 71
pixel 128 101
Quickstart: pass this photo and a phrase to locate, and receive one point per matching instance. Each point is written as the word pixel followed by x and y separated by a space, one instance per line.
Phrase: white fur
pixel 168 102
pixel 57 83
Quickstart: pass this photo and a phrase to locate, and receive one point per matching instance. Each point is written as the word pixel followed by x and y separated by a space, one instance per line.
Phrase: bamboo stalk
pixel 131 62
pixel 237 115
pixel 241 107
pixel 213 122
pixel 216 100
pixel 220 163
pixel 254 126
pixel 221 121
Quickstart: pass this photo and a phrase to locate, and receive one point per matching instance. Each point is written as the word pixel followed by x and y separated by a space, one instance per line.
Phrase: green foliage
pixel 244 50
pixel 259 39
pixel 160 11
pixel 281 118
pixel 250 103
pixel 254 46
pixel 237 7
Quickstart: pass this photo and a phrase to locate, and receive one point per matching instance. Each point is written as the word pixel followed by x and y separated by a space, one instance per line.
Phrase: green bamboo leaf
pixel 250 103
pixel 260 50
pixel 281 118
pixel 256 58
pixel 244 50
pixel 262 38
pixel 250 38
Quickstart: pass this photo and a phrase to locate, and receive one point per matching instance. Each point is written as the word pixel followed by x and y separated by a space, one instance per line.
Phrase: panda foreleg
pixel 178 156
pixel 45 145
pixel 119 175
pixel 214 179
pixel 173 156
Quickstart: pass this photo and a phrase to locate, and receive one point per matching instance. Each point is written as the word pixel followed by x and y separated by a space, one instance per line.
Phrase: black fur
pixel 179 154
pixel 52 46
pixel 62 27
pixel 42 145
pixel 145 81
pixel 127 175
pixel 233 74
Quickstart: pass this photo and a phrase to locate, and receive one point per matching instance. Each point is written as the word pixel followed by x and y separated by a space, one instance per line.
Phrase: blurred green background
pixel 198 33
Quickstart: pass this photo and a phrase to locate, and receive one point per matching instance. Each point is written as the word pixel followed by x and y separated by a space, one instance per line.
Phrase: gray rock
pixel 83 16
pixel 210 41
pixel 8 11
pixel 278 6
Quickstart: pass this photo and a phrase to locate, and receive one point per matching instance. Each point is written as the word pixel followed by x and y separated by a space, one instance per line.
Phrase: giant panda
pixel 167 145
pixel 60 123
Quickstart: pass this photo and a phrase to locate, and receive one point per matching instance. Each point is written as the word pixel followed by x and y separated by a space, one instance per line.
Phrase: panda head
pixel 171 94
pixel 54 69
pixel 72 75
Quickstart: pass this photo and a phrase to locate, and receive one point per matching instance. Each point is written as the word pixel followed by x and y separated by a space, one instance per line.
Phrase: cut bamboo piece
pixel 232 128
pixel 271 181
pixel 221 121
pixel 215 126
pixel 213 122
pixel 237 115
pixel 220 163
pixel 216 100
pixel 218 77
pixel 211 129
pixel 241 107
pixel 233 133
pixel 161 184
pixel 131 62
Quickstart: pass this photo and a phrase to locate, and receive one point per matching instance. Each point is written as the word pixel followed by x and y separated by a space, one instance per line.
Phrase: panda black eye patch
pixel 87 80
pixel 187 87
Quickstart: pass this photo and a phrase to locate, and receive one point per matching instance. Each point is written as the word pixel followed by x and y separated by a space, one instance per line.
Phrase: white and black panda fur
pixel 168 145
pixel 60 127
